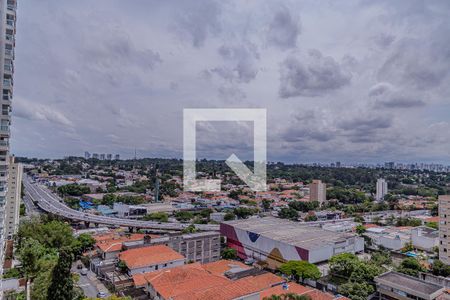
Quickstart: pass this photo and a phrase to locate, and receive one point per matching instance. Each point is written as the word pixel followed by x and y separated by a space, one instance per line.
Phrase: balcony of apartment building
pixel 4 129
pixel 6 99
pixel 9 51
pixel 4 144
pixel 3 190
pixel 10 24
pixel 7 83
pixel 9 36
pixel 11 5
pixel 8 67
pixel 6 111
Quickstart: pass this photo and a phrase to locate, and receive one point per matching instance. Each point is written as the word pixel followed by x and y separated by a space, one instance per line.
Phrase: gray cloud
pixel 312 76
pixel 400 101
pixel 366 123
pixel 34 111
pixel 388 96
pixel 240 63
pixel 417 64
pixel 118 76
pixel 197 20
pixel 284 29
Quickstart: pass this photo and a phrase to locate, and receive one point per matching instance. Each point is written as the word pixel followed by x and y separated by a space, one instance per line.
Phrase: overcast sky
pixel 355 81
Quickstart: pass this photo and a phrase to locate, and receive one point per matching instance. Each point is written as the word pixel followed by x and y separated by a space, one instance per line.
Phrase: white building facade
pixel 7 43
pixel 12 207
pixel 382 189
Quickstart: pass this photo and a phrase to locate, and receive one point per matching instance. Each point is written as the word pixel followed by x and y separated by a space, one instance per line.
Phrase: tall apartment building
pixel 444 229
pixel 318 191
pixel 382 189
pixel 13 196
pixel 7 43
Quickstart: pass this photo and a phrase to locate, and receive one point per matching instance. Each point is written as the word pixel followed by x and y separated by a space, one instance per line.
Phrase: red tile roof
pixel 149 256
pixel 221 266
pixel 113 242
pixel 173 282
pixel 206 282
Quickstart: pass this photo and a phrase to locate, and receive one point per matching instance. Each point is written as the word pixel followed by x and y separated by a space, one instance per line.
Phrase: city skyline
pixel 342 87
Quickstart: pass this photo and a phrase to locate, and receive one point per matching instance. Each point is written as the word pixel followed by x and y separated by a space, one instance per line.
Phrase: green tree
pixel 30 253
pixel 310 218
pixel 358 219
pixel 122 266
pixel 86 240
pixel 381 258
pixel 355 290
pixel 190 229
pixel 410 266
pixel 229 216
pixel 229 253
pixel 343 264
pixel 438 268
pixel 61 287
pixel 244 212
pixel 360 229
pixel 365 272
pixel 300 270
pixel 157 216
pixel 183 216
pixel 288 213
pixel 266 204
pixel 288 296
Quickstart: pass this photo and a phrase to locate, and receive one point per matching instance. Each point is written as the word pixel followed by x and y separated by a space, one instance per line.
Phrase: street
pixel 89 283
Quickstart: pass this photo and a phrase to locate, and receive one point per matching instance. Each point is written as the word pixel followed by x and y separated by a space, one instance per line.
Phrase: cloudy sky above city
pixel 355 81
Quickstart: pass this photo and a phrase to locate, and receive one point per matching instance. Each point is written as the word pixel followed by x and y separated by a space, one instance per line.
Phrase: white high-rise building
pixel 7 43
pixel 382 189
pixel 12 207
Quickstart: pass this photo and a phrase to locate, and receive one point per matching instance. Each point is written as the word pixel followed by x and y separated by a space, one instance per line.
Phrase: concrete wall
pixel 423 242
pixel 156 267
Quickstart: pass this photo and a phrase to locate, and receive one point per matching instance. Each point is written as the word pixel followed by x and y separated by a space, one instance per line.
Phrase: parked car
pixel 101 295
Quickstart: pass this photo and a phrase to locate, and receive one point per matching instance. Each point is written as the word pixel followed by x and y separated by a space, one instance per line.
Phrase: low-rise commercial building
pixel 425 238
pixel 200 247
pixel 275 241
pixel 394 285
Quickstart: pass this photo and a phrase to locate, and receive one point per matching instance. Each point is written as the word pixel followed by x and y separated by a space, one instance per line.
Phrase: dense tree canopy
pixel 300 270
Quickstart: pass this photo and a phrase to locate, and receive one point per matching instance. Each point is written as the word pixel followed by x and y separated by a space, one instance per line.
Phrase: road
pixel 30 208
pixel 52 203
pixel 89 283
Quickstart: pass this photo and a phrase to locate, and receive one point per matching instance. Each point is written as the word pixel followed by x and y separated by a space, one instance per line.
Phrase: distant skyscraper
pixel 389 165
pixel 444 229
pixel 87 155
pixel 382 189
pixel 117 157
pixel 338 164
pixel 95 155
pixel 318 191
pixel 108 156
pixel 102 156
